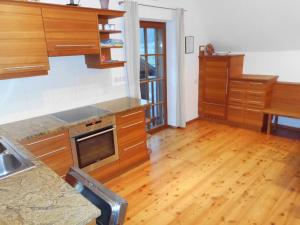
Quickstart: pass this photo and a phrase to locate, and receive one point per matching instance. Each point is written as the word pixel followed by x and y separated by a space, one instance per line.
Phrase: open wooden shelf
pixel 110 31
pixel 105 65
pixel 111 46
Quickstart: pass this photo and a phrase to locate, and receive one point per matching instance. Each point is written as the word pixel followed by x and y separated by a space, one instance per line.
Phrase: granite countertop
pixel 39 195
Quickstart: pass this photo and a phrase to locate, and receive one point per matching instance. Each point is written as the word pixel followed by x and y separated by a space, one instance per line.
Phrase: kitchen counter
pixel 39 195
pixel 38 126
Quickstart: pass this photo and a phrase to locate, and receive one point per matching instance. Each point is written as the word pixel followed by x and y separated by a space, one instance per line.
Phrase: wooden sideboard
pixel 228 95
pixel 248 96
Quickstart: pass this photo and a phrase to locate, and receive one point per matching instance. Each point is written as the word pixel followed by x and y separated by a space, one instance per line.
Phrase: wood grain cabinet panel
pixel 54 150
pixel 248 112
pixel 214 74
pixel 22 42
pixel 235 114
pixel 71 32
pixel 132 138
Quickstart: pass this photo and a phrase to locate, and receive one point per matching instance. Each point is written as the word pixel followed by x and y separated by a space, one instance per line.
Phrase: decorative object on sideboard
pixel 104 4
pixel 210 50
pixel 201 50
pixel 189 44
pixel 72 3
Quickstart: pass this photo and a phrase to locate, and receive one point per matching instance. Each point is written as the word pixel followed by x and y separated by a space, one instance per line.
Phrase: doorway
pixel 153 73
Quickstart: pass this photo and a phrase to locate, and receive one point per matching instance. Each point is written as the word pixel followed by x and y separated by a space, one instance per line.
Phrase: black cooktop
pixel 81 114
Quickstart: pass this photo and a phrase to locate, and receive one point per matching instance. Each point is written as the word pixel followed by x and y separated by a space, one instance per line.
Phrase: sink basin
pixel 11 161
pixel 8 164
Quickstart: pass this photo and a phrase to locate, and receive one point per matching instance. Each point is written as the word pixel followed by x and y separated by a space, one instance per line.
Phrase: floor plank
pixel 214 174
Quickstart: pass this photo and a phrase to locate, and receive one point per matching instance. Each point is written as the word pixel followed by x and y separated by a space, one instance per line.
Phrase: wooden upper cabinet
pixel 23 50
pixel 215 72
pixel 71 32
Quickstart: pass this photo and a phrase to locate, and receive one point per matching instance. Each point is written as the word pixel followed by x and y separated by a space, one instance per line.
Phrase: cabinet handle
pixel 133 146
pixel 227 81
pixel 131 114
pixel 134 124
pixel 46 139
pixel 65 46
pixel 23 67
pixel 52 152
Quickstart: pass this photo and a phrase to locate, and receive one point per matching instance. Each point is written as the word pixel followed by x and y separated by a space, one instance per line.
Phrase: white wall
pixel 69 84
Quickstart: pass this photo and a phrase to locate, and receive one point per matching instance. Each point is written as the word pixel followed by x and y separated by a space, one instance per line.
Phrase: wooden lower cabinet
pixel 106 172
pixel 54 150
pixel 132 145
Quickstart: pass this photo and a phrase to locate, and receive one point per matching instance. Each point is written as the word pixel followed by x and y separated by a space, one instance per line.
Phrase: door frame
pixel 159 25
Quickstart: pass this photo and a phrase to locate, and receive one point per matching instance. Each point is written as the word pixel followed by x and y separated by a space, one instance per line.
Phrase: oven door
pixel 96 148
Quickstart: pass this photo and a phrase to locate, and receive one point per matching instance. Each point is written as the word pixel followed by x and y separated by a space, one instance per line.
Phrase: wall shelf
pixel 110 31
pixel 104 60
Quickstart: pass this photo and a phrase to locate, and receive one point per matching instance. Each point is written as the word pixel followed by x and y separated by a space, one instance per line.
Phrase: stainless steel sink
pixel 11 161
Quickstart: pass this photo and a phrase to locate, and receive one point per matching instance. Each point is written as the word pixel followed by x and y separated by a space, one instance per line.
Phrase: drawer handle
pixel 23 67
pixel 133 146
pixel 51 153
pixel 132 125
pixel 254 110
pixel 131 114
pixel 256 92
pixel 46 139
pixel 213 104
pixel 66 46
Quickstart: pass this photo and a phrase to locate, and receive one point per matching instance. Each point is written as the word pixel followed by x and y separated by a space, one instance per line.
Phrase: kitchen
pixel 110 115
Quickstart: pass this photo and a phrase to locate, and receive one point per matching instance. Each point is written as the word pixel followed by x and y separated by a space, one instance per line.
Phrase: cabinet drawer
pixel 210 109
pixel 255 104
pixel 254 117
pixel 133 147
pixel 241 85
pixel 48 143
pixel 256 96
pixel 236 97
pixel 253 86
pixel 54 150
pixel 60 160
pixel 133 132
pixel 235 114
pixel 130 117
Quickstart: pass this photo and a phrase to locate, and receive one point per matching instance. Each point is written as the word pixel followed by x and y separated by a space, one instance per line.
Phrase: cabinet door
pixel 71 32
pixel 215 79
pixel 23 50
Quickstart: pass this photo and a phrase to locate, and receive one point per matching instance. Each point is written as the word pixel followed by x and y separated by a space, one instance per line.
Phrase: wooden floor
pixel 214 174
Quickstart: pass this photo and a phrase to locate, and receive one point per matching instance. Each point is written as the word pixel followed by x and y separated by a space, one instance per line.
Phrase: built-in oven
pixel 94 144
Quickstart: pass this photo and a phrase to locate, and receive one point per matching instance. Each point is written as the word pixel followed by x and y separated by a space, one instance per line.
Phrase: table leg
pixel 276 122
pixel 270 117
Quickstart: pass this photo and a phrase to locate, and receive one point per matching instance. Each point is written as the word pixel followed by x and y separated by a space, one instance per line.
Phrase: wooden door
pixel 23 50
pixel 215 87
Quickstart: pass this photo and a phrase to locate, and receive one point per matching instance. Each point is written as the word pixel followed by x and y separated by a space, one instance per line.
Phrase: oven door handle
pixel 94 135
